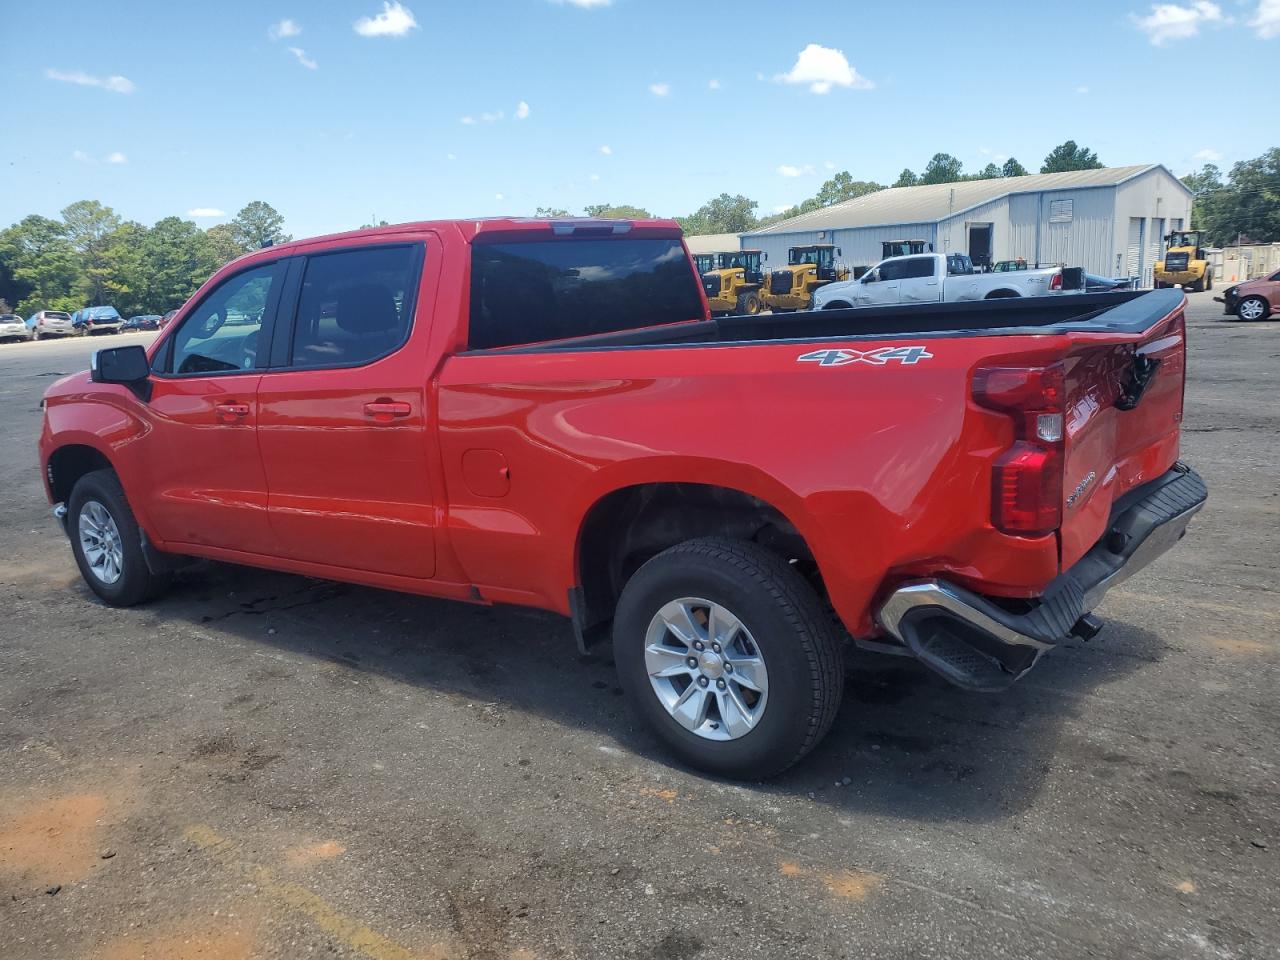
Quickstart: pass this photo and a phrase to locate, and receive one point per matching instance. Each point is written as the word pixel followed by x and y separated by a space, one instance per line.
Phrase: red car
pixel 543 413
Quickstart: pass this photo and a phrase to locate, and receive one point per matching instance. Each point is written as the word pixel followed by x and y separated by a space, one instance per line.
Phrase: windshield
pixel 815 255
pixel 742 260
pixel 1183 238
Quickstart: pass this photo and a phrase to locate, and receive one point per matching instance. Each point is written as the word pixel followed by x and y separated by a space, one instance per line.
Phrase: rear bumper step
pixel 981 644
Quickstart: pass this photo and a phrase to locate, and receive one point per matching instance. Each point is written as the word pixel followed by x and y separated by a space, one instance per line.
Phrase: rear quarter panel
pixel 884 468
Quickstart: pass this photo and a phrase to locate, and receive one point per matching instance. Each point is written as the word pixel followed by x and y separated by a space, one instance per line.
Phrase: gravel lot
pixel 262 765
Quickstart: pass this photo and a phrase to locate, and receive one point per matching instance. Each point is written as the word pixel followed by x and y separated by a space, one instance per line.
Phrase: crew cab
pixel 544 413
pixel 933 278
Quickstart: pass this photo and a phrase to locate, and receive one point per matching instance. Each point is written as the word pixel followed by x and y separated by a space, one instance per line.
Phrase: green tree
pixel 88 226
pixel 989 172
pixel 722 214
pixel 177 257
pixel 1247 205
pixel 44 266
pixel 843 187
pixel 223 243
pixel 258 224
pixel 907 178
pixel 1012 168
pixel 123 275
pixel 553 213
pixel 608 211
pixel 1068 156
pixel 942 168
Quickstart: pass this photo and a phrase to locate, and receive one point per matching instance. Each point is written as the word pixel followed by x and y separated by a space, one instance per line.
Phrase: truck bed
pixel 1120 312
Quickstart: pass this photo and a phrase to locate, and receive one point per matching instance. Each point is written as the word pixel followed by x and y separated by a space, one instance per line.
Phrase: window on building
pixel 1061 211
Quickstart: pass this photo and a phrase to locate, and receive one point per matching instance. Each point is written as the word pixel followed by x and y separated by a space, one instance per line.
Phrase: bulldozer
pixel 1184 262
pixel 733 283
pixel 790 288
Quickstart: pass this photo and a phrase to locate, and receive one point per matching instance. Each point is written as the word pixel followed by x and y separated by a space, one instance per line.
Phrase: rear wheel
pixel 748 304
pixel 1208 279
pixel 107 542
pixel 1252 308
pixel 726 652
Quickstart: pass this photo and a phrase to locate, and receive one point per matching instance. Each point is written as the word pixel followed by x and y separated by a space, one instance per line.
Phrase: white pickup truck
pixel 933 278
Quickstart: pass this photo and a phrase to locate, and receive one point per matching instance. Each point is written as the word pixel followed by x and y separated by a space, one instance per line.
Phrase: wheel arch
pixel 630 524
pixel 69 462
pixel 1004 293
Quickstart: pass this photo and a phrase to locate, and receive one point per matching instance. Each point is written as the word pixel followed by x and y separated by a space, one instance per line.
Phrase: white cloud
pixel 498 196
pixel 303 58
pixel 607 150
pixel 115 84
pixel 115 157
pixel 285 28
pixel 583 4
pixel 492 117
pixel 829 164
pixel 789 170
pixel 1267 20
pixel 1207 155
pixel 595 177
pixel 522 111
pixel 660 89
pixel 713 84
pixel 395 20
pixel 1082 89
pixel 1169 21
pixel 467 121
pixel 822 68
pixel 206 212
pixel 451 156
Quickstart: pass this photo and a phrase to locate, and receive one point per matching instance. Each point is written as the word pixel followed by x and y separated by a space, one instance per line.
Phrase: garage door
pixel 1133 257
pixel 1155 242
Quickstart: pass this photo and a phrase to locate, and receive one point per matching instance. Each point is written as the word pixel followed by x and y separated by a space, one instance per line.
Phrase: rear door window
pixel 355 306
pixel 534 291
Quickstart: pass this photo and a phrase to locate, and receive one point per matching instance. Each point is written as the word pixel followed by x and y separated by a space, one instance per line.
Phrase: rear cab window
pixel 532 291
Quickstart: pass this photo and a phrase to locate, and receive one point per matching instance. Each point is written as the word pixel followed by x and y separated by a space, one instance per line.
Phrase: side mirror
pixel 766 258
pixel 839 252
pixel 126 365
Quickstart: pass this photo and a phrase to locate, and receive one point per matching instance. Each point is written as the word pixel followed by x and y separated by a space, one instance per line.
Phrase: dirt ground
pixel 261 765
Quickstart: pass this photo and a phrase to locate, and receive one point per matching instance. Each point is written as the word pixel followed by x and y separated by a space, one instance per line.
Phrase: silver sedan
pixel 13 327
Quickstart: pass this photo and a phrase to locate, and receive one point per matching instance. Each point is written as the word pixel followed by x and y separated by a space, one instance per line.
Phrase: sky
pixel 337 112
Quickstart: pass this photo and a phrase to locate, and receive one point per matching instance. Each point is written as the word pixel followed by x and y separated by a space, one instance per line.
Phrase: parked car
pixel 94 320
pixel 934 277
pixel 164 321
pixel 541 413
pixel 50 323
pixel 13 327
pixel 145 321
pixel 1252 299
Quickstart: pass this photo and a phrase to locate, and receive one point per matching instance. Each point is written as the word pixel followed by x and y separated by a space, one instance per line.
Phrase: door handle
pixel 230 412
pixel 385 410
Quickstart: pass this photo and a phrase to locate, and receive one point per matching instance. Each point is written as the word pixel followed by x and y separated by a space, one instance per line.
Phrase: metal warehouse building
pixel 1108 221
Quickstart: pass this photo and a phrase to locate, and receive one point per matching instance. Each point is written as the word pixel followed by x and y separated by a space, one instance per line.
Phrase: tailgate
pixel 1123 417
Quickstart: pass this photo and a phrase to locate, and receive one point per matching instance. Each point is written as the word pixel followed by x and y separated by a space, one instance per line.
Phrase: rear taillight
pixel 1026 480
pixel 1055 282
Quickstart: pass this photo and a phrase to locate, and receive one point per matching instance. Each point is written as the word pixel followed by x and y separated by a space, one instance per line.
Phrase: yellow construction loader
pixel 733 284
pixel 1184 262
pixel 790 288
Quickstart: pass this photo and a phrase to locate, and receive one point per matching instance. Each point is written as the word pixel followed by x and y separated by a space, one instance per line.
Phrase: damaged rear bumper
pixel 984 644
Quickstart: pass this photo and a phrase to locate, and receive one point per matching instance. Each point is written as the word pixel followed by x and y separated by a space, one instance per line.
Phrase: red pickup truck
pixel 544 413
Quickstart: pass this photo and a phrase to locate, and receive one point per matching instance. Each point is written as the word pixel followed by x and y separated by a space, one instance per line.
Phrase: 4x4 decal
pixel 878 357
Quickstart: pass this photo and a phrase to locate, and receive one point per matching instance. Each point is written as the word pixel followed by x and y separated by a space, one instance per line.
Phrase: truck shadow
pixel 905 744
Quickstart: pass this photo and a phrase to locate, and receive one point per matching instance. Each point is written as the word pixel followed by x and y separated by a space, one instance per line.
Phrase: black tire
pixel 1208 279
pixel 793 631
pixel 1241 308
pixel 36 335
pixel 748 304
pixel 136 582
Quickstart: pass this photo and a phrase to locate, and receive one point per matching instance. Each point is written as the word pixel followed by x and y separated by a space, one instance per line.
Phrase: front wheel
pixel 1208 280
pixel 726 652
pixel 1252 308
pixel 107 542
